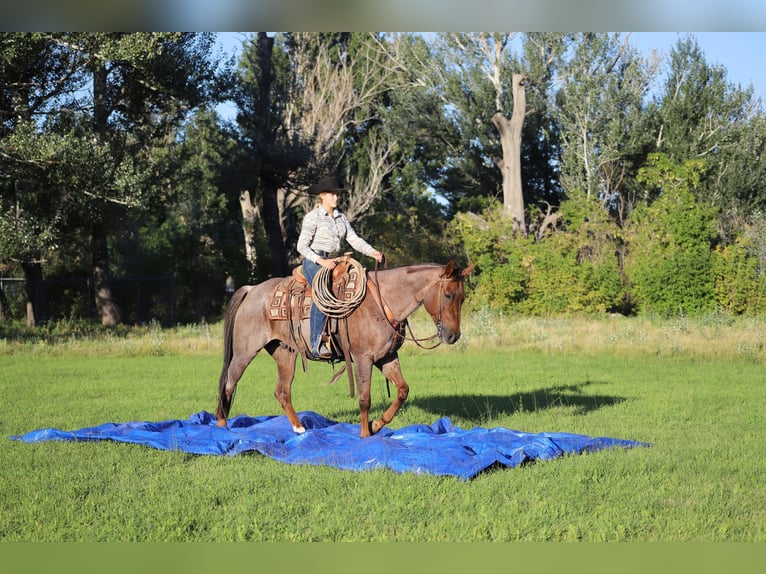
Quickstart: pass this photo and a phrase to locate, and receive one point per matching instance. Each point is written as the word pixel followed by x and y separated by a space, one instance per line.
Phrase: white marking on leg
pixel 299 430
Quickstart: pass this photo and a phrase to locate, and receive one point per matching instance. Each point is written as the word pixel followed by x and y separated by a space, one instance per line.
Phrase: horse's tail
pixel 224 402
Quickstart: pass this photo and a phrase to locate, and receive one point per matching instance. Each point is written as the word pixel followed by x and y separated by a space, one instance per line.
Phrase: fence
pixel 141 299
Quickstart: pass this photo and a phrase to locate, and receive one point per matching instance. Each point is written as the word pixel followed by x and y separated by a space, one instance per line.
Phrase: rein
pixel 395 329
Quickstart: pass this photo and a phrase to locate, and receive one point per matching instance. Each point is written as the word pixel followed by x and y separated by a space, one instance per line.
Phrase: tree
pixel 490 90
pixel 109 162
pixel 600 114
pixel 703 116
pixel 37 76
pixel 309 103
pixel 144 83
pixel 670 263
pixel 259 129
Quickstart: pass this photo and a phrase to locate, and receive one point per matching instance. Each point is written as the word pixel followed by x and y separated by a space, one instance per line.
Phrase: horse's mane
pixel 456 270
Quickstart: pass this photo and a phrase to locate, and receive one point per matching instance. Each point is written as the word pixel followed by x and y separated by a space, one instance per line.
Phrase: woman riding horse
pixel 319 243
pixel 373 336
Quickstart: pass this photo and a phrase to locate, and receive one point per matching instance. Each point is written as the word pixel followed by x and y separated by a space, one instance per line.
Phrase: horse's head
pixel 444 301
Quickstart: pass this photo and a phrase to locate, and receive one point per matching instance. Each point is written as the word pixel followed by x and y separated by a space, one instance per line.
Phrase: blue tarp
pixel 437 449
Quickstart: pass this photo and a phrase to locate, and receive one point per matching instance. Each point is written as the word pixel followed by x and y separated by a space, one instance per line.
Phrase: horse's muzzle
pixel 449 337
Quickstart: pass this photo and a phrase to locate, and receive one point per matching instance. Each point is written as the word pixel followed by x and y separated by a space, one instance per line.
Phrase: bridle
pixel 397 328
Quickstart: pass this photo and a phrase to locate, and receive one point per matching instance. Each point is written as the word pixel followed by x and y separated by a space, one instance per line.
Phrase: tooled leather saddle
pixel 293 296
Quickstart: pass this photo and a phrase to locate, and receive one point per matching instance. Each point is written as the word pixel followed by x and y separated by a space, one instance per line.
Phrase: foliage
pixel 600 114
pixel 194 237
pixel 740 284
pixel 670 259
pixel 560 283
pixel 653 184
pixel 702 115
pixel 93 170
pixel 575 271
pixel 500 273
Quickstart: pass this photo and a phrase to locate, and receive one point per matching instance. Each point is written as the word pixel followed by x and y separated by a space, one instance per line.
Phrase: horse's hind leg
pixel 285 359
pixel 232 373
pixel 363 378
pixel 392 371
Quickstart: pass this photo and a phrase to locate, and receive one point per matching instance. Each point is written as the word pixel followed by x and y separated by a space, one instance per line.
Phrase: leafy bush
pixel 740 287
pixel 670 259
pixel 576 270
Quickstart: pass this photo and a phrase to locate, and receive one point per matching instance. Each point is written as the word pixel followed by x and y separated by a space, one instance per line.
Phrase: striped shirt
pixel 324 232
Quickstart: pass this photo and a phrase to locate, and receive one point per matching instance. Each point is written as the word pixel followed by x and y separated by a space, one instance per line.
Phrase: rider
pixel 319 243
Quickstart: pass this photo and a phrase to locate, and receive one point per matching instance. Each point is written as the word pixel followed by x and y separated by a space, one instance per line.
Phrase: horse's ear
pixel 449 268
pixel 467 271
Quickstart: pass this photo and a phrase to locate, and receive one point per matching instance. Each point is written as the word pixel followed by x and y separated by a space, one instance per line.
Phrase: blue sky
pixel 739 52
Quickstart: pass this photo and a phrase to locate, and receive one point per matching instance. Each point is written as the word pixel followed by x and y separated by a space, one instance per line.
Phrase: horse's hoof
pixel 221 423
pixel 366 432
pixel 299 430
pixel 376 426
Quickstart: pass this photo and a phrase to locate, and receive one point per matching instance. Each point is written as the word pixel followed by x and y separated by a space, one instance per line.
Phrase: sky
pixel 740 53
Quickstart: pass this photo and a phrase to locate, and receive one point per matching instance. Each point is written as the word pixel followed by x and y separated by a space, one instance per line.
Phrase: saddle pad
pixel 289 292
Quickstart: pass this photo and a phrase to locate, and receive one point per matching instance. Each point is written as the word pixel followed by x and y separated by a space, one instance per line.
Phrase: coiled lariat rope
pixel 325 299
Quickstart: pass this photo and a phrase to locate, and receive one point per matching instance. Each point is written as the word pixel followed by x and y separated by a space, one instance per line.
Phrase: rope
pixel 325 299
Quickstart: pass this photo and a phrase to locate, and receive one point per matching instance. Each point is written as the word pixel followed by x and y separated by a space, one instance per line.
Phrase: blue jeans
pixel 317 317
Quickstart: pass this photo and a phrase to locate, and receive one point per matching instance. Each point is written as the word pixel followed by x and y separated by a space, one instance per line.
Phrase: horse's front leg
pixel 285 359
pixel 392 371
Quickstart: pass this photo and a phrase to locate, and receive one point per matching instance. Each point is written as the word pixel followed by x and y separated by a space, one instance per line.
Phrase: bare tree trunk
pixel 4 314
pixel 107 309
pixel 105 305
pixel 289 202
pixel 510 163
pixel 272 224
pixel 33 286
pixel 250 217
pixel 269 189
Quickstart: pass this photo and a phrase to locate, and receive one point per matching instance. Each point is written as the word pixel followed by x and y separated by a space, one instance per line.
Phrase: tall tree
pixel 494 90
pixel 259 130
pixel 37 77
pixel 143 86
pixel 307 101
pixel 703 116
pixel 471 72
pixel 600 113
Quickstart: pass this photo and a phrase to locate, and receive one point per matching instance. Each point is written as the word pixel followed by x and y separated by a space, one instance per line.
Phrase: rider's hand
pixel 377 256
pixel 329 263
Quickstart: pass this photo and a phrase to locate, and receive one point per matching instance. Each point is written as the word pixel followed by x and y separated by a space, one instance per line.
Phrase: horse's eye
pixel 448 296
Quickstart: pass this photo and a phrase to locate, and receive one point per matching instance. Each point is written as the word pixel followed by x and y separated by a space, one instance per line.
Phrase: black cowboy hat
pixel 327 183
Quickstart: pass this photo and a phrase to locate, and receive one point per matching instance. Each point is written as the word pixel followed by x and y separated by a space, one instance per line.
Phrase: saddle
pixel 293 296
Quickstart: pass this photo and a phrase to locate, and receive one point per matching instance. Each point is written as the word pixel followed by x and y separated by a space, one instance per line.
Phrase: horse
pixel 374 329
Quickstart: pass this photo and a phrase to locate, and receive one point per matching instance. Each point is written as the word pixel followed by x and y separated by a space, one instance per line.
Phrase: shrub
pixel 575 270
pixel 670 263
pixel 739 286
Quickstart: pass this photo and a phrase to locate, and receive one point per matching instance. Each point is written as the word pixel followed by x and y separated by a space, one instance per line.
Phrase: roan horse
pixel 375 332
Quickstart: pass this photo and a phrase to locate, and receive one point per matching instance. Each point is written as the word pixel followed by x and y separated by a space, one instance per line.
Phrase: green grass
pixel 702 480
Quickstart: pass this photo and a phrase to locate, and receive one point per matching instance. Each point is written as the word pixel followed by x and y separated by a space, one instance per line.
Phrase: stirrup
pixel 323 352
pixel 322 349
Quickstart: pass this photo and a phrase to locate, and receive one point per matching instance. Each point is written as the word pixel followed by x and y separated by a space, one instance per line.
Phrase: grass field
pixel 695 390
